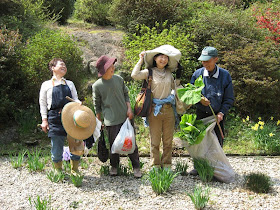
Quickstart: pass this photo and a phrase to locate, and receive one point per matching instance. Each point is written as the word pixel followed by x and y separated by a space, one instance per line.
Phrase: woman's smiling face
pixel 161 61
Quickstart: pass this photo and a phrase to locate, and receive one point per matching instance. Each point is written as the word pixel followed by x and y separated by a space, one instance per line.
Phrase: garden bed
pixel 126 192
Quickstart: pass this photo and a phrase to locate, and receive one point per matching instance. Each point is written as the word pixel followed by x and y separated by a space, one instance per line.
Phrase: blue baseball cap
pixel 208 53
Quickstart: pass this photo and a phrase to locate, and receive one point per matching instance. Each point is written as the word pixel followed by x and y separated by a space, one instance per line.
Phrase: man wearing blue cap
pixel 218 90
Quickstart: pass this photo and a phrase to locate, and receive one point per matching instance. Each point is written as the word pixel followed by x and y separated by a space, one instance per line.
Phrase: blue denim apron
pixel 54 115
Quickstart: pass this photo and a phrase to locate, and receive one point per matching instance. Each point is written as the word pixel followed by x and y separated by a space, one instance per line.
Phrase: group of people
pixel 112 104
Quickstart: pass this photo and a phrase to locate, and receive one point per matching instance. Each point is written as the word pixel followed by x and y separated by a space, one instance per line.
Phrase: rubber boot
pixel 74 167
pixel 58 166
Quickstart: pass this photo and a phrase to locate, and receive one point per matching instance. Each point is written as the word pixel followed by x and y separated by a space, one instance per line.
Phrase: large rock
pixel 99 42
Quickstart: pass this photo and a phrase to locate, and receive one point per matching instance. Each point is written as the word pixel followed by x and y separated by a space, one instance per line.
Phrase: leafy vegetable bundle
pixel 191 129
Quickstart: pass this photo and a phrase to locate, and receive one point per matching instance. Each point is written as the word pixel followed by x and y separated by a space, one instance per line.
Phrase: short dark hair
pixel 155 63
pixel 53 62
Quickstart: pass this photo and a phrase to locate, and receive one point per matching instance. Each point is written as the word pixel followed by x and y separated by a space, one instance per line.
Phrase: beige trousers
pixel 161 129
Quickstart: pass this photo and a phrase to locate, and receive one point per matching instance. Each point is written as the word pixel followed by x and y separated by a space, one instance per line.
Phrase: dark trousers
pixel 115 158
pixel 201 115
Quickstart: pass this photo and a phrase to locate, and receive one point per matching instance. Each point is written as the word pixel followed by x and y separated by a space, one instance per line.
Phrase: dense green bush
pixel 27 16
pixel 39 51
pixel 128 14
pixel 256 78
pixel 11 78
pixel 150 38
pixel 93 11
pixel 62 9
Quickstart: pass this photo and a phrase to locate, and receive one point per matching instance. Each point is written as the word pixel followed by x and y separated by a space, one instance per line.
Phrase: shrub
pixel 26 16
pixel 256 78
pixel 258 182
pixel 61 10
pixel 204 169
pixel 128 14
pixel 93 11
pixel 150 38
pixel 39 51
pixel 11 78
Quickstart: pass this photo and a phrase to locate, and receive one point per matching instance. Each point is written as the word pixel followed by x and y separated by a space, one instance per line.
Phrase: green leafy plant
pixel 258 182
pixel 40 204
pixel 181 168
pixel 123 170
pixel 191 129
pixel 77 179
pixel 34 161
pixel 204 169
pixel 131 167
pixel 84 164
pixel 160 179
pixel 104 170
pixel 66 166
pixel 199 197
pixel 56 176
pixel 17 160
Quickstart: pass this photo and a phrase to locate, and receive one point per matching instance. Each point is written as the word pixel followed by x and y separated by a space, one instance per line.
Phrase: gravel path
pixel 105 192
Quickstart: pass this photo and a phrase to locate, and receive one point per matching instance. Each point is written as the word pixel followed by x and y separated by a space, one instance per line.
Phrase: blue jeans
pixel 57 149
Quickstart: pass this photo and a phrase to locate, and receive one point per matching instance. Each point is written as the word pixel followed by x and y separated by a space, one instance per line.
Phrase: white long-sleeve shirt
pixel 45 98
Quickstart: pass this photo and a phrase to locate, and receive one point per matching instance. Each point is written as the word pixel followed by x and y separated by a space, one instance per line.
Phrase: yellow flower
pixel 261 122
pixel 261 127
pixel 271 134
pixel 247 118
pixel 255 127
pixel 278 122
pixel 271 118
pixel 259 118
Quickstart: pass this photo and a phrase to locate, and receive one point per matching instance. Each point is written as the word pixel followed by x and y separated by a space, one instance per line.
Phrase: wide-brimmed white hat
pixel 173 54
pixel 78 120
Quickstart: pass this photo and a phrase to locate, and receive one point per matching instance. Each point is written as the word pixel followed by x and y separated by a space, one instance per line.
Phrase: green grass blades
pixel 258 182
pixel 40 204
pixel 77 180
pixel 123 171
pixel 204 169
pixel 199 197
pixel 56 176
pixel 104 170
pixel 34 161
pixel 17 160
pixel 160 179
pixel 181 168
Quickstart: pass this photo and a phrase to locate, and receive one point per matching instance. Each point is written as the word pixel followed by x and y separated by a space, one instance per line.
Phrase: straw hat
pixel 173 54
pixel 78 120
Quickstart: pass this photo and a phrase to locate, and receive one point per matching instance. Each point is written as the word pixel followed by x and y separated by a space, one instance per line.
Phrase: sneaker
pixel 113 171
pixel 137 173
pixel 194 172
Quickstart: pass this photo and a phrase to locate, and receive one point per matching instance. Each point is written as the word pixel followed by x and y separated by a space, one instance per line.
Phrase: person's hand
pixel 129 114
pixel 141 55
pixel 204 101
pixel 45 125
pixel 220 116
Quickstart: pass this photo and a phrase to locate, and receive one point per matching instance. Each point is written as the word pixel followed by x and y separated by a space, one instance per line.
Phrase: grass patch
pixel 258 182
pixel 199 197
pixel 34 161
pixel 160 179
pixel 17 160
pixel 204 169
pixel 56 176
pixel 181 168
pixel 77 180
pixel 40 204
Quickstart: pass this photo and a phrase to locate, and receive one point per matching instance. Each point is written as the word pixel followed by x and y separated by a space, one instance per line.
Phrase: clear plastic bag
pixel 125 140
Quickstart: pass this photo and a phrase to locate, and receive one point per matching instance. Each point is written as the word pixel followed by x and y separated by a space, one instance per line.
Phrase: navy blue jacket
pixel 218 89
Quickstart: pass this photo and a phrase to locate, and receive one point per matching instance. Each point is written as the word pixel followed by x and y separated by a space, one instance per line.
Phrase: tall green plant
pixel 39 51
pixel 199 197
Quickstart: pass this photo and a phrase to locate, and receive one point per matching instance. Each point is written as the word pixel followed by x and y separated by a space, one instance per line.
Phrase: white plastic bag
pixel 125 140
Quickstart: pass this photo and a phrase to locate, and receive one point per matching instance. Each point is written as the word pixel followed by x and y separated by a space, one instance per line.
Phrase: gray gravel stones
pixel 105 192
